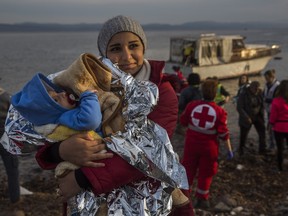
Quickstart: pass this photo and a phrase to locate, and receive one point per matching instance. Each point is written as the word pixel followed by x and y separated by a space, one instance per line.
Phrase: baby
pixel 57 114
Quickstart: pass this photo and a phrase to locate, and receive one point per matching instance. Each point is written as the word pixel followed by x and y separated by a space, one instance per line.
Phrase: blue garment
pixel 35 104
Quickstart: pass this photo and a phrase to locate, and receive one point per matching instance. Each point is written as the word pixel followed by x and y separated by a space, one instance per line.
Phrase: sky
pixel 145 11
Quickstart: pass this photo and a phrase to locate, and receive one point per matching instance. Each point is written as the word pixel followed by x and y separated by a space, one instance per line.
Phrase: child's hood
pixel 35 104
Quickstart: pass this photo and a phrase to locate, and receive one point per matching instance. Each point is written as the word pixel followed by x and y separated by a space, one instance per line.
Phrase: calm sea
pixel 24 54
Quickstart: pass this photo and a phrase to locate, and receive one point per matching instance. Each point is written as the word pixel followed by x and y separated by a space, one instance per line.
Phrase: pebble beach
pixel 43 185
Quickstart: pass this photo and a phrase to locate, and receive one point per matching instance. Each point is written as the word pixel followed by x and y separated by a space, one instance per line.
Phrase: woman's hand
pixel 68 187
pixel 82 150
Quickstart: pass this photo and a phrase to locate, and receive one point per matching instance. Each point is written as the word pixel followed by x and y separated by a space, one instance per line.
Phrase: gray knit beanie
pixel 115 25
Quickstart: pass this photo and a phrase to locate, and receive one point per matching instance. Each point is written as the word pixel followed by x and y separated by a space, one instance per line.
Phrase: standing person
pixel 243 82
pixel 251 112
pixel 178 72
pixel 269 93
pixel 123 41
pixel 188 54
pixel 180 75
pixel 279 119
pixel 10 161
pixel 222 95
pixel 174 81
pixel 190 93
pixel 207 123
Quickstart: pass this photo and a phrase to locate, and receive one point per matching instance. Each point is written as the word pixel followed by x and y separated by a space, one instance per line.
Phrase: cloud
pixel 148 11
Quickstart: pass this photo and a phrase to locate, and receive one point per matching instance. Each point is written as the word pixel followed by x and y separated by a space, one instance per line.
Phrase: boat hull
pixel 227 70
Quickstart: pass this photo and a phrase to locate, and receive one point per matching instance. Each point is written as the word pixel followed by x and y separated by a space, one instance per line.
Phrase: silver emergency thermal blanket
pixel 143 144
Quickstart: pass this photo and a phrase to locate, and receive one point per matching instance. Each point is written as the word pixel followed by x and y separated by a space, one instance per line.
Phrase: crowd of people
pixel 102 172
pixel 265 108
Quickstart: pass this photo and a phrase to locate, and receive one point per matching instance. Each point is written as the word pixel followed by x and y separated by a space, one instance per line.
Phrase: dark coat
pixel 250 106
pixel 4 106
pixel 191 93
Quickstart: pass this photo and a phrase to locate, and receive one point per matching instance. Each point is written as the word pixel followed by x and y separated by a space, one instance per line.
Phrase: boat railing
pixel 252 53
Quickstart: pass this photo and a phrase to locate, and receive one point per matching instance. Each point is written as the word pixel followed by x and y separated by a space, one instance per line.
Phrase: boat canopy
pixel 208 49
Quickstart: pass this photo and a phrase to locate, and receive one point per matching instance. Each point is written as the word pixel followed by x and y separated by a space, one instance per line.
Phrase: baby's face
pixel 62 98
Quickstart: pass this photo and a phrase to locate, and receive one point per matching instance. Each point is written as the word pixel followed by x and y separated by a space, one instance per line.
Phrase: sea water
pixel 24 54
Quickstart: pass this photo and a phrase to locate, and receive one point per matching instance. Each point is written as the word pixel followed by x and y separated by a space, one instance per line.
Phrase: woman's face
pixel 254 89
pixel 126 49
pixel 244 79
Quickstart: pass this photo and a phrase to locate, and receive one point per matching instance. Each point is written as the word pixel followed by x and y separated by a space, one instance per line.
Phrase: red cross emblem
pixel 203 116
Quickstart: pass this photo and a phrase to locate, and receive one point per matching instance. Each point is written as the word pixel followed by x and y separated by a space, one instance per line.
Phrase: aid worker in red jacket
pixel 206 123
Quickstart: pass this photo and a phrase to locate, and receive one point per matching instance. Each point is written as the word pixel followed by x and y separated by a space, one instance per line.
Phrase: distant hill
pixel 50 27
pixel 54 27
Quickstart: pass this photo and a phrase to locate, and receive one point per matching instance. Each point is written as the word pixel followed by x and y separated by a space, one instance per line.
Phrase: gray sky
pixel 145 11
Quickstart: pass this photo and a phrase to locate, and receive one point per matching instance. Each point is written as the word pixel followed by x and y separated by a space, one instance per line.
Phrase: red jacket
pixel 117 171
pixel 205 121
pixel 279 115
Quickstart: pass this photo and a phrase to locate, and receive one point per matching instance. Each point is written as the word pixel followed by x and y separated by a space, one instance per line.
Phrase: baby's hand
pixel 94 91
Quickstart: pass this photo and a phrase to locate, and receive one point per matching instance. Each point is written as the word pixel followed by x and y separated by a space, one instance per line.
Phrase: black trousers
pixel 280 137
pixel 260 128
pixel 11 167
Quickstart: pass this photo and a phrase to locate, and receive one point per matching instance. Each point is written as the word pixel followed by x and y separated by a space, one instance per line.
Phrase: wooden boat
pixel 224 56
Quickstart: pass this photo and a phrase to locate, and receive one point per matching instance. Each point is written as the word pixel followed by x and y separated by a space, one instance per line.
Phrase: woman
pixel 269 92
pixel 279 119
pixel 123 41
pixel 206 122
pixel 243 82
